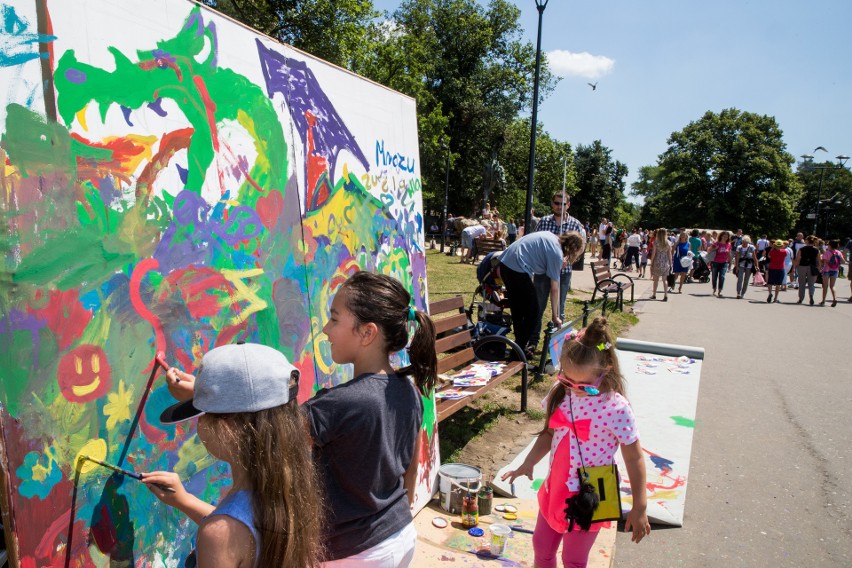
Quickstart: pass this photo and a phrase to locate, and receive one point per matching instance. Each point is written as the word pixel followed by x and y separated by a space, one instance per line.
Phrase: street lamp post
pixel 446 147
pixel 540 6
pixel 808 158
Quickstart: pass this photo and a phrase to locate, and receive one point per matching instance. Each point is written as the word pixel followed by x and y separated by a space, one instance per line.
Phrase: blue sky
pixel 661 64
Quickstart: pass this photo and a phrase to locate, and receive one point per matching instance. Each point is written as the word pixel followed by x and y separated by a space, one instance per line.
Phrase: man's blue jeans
pixel 542 290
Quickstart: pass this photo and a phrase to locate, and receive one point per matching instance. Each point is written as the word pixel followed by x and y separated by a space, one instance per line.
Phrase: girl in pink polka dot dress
pixel 591 389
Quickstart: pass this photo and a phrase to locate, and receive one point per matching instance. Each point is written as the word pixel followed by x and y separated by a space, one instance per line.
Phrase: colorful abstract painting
pixel 171 181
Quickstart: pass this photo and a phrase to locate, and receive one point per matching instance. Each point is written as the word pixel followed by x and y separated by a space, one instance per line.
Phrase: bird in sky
pixel 593 86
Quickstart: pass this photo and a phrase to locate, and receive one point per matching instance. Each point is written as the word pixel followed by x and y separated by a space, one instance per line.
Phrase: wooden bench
pixel 457 350
pixel 483 246
pixel 605 281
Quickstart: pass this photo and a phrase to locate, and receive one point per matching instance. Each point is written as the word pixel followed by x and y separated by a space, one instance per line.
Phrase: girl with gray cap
pixel 245 399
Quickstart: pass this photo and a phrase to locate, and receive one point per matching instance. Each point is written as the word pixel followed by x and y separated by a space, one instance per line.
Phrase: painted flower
pixel 39 473
pixel 117 407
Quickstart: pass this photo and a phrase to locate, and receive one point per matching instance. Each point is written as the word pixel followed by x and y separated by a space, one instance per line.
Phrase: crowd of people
pixel 675 257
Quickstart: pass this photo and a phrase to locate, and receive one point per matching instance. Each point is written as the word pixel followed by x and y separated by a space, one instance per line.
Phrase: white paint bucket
pixel 456 480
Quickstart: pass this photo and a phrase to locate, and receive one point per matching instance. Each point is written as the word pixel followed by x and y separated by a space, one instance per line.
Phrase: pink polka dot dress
pixel 603 423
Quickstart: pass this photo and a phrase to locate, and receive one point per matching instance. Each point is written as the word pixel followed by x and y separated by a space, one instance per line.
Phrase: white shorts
pixel 396 551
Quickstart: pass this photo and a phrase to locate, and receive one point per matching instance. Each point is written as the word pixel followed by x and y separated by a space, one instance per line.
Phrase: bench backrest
pixel 449 315
pixel 600 270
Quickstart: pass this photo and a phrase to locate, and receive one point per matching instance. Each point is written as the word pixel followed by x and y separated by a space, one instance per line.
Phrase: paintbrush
pixel 519 528
pixel 126 472
pixel 160 358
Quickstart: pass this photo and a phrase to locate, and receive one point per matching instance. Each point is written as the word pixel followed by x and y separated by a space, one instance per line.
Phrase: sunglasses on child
pixel 590 389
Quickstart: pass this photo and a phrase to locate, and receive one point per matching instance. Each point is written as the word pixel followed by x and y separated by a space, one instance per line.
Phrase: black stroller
pixel 700 270
pixel 489 300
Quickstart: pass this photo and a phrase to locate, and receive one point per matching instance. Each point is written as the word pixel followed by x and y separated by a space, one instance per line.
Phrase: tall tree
pixel 550 165
pixel 342 32
pixel 830 184
pixel 726 170
pixel 601 185
pixel 472 71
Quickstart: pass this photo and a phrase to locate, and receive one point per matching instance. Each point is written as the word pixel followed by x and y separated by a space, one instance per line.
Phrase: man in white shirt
pixel 602 234
pixel 634 242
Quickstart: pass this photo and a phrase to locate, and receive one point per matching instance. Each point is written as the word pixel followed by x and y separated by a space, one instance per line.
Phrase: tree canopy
pixel 725 170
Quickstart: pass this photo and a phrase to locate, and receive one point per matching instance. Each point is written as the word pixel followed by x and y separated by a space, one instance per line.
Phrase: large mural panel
pixel 171 181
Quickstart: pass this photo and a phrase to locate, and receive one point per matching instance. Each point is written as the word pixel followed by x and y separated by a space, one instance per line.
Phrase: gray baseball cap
pixel 246 377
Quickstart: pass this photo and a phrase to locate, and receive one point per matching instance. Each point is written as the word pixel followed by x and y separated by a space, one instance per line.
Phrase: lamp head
pixel 842 158
pixel 807 157
pixel 541 4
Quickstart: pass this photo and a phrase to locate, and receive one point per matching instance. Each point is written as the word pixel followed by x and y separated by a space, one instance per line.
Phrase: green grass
pixel 447 278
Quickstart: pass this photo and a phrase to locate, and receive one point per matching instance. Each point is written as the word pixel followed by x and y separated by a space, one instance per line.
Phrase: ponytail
pixel 423 359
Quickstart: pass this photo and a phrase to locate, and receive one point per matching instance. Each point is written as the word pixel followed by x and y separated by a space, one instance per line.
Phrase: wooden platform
pixel 453 546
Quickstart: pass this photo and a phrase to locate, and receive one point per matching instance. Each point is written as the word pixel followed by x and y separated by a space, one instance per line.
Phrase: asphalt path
pixel 769 482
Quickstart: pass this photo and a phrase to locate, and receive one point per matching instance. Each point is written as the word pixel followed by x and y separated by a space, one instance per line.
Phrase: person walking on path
pixel 661 263
pixel 634 242
pixel 536 253
pixel 745 262
pixel 558 223
pixel 681 267
pixel 806 265
pixel 832 260
pixel 719 265
pixel 777 257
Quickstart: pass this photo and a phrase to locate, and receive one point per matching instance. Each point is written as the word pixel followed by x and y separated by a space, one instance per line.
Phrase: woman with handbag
pixel 721 251
pixel 661 263
pixel 744 263
pixel 806 265
pixel 682 263
pixel 590 387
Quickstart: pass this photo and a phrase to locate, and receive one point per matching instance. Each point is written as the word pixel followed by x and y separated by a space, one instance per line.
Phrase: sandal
pixel 834 304
pixel 665 298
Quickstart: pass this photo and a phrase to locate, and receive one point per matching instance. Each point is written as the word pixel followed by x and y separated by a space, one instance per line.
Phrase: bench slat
pixel 444 306
pixel 456 359
pixel 449 323
pixel 446 343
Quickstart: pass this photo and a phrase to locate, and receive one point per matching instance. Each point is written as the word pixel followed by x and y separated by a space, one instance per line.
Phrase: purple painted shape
pixel 160 54
pixel 157 107
pixel 303 92
pixel 108 193
pixel 22 321
pixel 75 76
pixel 126 112
pixel 183 173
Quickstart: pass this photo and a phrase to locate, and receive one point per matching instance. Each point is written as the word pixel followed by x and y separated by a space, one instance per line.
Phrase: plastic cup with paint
pixel 499 535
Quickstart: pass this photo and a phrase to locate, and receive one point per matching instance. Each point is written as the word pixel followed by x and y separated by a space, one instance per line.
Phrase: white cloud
pixel 565 63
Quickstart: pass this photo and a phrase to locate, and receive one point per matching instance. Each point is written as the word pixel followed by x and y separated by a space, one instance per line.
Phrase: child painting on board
pixel 244 398
pixel 365 431
pixel 589 387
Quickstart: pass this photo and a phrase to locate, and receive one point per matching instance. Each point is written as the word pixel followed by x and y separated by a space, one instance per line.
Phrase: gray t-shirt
pixel 364 434
pixel 536 253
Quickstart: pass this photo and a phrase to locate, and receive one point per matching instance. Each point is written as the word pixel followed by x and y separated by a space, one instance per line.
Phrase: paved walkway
pixel 768 482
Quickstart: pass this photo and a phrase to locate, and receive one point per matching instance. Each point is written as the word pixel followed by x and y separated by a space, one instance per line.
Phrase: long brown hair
pixel 661 240
pixel 594 348
pixel 382 300
pixel 285 490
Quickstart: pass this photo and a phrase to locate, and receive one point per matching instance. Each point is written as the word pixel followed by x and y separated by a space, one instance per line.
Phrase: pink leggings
pixel 575 546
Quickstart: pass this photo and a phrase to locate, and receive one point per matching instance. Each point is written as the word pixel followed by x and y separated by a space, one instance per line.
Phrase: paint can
pixel 456 481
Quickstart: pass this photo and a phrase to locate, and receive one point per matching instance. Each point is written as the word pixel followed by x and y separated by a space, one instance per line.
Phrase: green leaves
pixel 727 170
